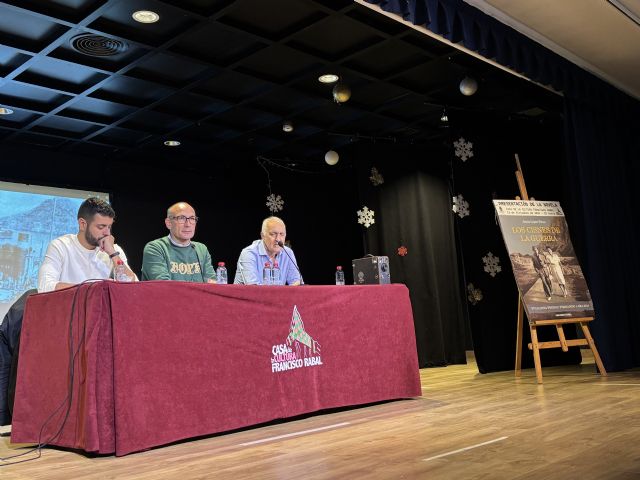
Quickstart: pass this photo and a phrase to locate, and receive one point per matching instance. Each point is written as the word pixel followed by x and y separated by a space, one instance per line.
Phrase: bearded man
pixel 91 254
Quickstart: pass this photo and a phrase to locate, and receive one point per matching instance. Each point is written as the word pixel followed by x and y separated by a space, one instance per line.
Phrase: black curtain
pixel 602 137
pixel 603 142
pixel 490 174
pixel 413 210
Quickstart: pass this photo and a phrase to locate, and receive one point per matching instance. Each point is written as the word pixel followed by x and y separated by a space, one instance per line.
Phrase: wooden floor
pixel 577 425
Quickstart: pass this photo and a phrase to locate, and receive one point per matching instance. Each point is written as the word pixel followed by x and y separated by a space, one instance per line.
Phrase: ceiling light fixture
pixel 5 111
pixel 172 143
pixel 328 78
pixel 287 126
pixel 145 16
pixel 341 93
pixel 444 118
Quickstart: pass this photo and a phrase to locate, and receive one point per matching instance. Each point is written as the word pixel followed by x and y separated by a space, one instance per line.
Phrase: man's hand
pixel 106 244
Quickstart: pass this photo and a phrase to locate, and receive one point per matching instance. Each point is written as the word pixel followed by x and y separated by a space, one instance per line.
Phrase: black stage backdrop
pixel 413 210
pixel 489 174
pixel 602 135
pixel 603 141
pixel 229 198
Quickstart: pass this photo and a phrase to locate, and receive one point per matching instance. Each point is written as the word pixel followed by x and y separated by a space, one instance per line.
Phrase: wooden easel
pixel 558 323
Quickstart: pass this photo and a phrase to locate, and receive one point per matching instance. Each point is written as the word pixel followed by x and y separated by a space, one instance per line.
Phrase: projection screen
pixel 30 217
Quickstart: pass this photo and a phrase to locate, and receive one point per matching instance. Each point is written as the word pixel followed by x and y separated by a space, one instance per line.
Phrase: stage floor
pixel 466 425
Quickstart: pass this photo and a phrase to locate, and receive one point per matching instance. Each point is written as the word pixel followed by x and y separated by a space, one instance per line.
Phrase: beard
pixel 91 240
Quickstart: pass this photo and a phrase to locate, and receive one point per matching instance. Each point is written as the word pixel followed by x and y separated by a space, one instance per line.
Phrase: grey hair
pixel 267 221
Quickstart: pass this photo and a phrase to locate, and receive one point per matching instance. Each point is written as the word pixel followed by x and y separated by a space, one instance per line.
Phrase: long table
pixel 149 363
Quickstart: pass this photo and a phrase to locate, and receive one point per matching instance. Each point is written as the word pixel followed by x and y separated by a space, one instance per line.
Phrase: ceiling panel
pixel 222 75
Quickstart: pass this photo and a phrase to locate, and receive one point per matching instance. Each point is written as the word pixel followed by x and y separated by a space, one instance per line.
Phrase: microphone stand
pixel 281 245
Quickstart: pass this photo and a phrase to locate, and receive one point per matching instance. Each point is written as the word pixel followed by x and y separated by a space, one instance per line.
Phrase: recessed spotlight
pixel 5 111
pixel 328 78
pixel 145 16
pixel 172 143
pixel 287 126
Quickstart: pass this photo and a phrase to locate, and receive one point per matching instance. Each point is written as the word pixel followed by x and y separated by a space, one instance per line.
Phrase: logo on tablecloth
pixel 298 351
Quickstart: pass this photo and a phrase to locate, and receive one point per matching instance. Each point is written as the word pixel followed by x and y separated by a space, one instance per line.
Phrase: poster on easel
pixel 547 272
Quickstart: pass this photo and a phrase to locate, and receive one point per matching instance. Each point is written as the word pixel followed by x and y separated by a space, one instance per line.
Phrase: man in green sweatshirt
pixel 176 257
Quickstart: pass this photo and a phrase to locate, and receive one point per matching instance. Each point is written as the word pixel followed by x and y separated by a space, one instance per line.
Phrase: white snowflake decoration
pixel 460 206
pixel 365 217
pixel 475 294
pixel 376 178
pixel 275 203
pixel 464 149
pixel 491 264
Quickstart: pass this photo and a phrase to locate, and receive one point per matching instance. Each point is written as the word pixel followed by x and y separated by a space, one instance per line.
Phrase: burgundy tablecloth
pixel 157 362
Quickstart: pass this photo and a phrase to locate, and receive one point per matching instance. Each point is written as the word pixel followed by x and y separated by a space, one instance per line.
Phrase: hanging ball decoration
pixel 468 86
pixel 341 93
pixel 331 157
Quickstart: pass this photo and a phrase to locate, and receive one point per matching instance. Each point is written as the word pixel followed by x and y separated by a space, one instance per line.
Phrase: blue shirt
pixel 251 263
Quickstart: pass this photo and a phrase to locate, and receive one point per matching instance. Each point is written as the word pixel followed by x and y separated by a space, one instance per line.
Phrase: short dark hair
pixel 93 205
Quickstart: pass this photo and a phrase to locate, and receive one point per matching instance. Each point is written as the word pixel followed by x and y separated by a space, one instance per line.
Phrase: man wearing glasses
pixel 176 257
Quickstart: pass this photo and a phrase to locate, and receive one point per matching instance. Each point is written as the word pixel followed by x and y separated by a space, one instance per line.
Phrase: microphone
pixel 199 262
pixel 281 245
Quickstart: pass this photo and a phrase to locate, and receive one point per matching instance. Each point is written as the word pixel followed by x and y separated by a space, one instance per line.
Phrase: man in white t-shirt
pixel 91 254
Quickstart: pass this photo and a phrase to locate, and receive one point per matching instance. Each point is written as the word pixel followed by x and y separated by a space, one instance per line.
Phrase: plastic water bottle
pixel 275 274
pixel 120 272
pixel 266 274
pixel 221 274
pixel 339 276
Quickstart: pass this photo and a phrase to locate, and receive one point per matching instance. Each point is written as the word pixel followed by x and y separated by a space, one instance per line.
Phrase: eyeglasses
pixel 182 219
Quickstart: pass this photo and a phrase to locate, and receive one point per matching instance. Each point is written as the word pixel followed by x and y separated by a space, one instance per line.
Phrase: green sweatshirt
pixel 162 260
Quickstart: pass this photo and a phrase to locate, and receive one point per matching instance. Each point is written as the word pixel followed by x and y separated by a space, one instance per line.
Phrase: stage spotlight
pixel 468 86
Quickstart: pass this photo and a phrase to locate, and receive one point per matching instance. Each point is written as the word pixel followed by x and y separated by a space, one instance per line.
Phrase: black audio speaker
pixel 371 271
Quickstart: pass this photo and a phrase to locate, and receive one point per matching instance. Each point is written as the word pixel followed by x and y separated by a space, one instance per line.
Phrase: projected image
pixel 28 222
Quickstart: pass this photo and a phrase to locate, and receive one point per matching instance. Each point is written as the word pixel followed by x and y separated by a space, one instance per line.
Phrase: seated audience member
pixel 90 254
pixel 176 257
pixel 268 249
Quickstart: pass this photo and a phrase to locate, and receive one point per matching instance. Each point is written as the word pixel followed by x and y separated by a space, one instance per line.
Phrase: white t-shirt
pixel 68 261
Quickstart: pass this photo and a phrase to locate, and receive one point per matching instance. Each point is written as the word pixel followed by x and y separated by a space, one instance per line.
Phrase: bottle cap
pixel 119 262
pixel 221 264
pixel 267 264
pixel 339 268
pixel 275 264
